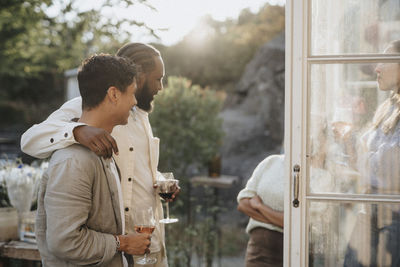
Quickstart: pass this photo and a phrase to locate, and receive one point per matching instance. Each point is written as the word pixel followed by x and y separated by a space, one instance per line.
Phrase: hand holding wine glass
pixel 135 243
pixel 166 187
pixel 144 222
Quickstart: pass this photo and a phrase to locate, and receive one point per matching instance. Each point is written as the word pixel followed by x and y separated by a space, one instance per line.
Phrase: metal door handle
pixel 296 182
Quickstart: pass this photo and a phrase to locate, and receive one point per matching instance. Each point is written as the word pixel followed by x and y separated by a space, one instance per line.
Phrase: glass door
pixel 342 133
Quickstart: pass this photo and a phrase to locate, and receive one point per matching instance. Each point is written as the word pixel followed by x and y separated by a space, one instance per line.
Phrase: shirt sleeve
pixel 56 132
pixel 68 202
pixel 251 187
pixel 252 184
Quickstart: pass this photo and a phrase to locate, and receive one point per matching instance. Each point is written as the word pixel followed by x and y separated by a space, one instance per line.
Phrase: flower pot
pixel 8 224
pixel 27 226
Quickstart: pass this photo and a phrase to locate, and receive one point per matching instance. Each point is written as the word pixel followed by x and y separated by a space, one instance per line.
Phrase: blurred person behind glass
pixel 375 240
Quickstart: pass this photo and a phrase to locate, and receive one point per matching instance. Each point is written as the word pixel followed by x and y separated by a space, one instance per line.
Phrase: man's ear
pixel 113 94
pixel 140 80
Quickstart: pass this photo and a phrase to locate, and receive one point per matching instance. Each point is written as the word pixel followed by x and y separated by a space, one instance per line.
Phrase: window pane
pixel 351 234
pixel 350 151
pixel 353 27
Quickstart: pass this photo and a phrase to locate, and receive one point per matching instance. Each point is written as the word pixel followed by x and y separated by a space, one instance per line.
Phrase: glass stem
pixel 167 208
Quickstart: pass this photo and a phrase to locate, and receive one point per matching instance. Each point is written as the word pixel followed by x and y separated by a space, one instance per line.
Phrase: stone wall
pixel 254 113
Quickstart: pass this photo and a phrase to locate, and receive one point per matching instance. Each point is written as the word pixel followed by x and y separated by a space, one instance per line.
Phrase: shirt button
pixel 51 140
pixel 126 209
pixel 66 135
pixel 131 149
pixel 129 179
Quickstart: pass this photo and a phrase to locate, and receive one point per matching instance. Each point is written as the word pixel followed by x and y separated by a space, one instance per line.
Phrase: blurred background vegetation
pixel 185 118
pixel 37 48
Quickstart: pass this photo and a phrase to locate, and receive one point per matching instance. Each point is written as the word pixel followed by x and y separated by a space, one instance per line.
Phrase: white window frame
pixel 297 71
pixel 295 84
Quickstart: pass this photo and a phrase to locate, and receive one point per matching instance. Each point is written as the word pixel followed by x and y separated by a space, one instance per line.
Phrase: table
pixel 223 181
pixel 19 250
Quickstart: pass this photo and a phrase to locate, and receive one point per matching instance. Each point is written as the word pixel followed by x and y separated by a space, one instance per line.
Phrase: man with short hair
pixel 80 213
pixel 136 149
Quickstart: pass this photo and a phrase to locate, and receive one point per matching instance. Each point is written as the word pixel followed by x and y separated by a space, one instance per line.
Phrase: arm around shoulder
pixel 56 132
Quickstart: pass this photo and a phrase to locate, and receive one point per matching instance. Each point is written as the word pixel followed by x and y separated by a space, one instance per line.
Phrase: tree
pixel 43 38
pixel 186 120
pixel 215 53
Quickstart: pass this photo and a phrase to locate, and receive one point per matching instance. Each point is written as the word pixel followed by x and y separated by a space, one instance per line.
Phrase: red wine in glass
pixel 166 195
pixel 167 185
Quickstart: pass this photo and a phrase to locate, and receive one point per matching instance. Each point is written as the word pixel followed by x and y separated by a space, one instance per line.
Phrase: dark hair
pixel 141 54
pixel 98 73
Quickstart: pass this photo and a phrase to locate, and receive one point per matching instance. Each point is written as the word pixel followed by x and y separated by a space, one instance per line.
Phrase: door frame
pixel 295 100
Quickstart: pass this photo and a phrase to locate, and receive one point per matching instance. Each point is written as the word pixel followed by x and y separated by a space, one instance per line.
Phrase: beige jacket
pixel 78 211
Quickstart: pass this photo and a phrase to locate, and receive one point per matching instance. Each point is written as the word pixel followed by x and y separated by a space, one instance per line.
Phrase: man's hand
pixel 176 189
pixel 96 139
pixel 135 244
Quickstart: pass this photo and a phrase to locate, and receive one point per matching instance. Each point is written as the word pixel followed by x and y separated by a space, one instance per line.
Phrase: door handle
pixel 296 182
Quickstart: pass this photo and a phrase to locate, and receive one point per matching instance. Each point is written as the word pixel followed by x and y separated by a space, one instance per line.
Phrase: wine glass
pixel 144 222
pixel 166 188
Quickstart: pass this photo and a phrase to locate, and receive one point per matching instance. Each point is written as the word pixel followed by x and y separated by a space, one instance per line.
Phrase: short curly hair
pixel 98 73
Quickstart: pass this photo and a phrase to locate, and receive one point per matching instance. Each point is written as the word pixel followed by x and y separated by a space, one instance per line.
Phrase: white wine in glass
pixel 166 188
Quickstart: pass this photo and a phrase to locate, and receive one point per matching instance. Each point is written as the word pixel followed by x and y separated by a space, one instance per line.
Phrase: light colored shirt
pixel 267 181
pixel 137 159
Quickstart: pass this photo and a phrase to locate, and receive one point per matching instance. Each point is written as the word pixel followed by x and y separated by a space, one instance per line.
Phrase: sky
pixel 181 16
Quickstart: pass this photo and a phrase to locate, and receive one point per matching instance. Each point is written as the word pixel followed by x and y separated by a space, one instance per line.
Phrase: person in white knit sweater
pixel 262 200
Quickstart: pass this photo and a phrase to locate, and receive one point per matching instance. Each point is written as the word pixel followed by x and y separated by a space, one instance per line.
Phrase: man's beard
pixel 145 98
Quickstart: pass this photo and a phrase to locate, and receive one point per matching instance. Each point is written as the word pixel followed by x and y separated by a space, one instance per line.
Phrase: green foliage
pixel 40 39
pixel 19 24
pixel 186 120
pixel 215 53
pixel 10 113
pixel 4 200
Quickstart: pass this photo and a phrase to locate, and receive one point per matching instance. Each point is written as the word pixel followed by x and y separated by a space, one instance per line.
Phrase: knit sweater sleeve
pixel 251 187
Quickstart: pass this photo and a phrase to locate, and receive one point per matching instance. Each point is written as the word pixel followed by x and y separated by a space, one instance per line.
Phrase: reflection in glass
pixel 343 100
pixel 355 148
pixel 353 27
pixel 354 133
pixel 353 234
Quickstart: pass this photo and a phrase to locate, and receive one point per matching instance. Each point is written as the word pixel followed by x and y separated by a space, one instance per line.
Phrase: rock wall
pixel 254 115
